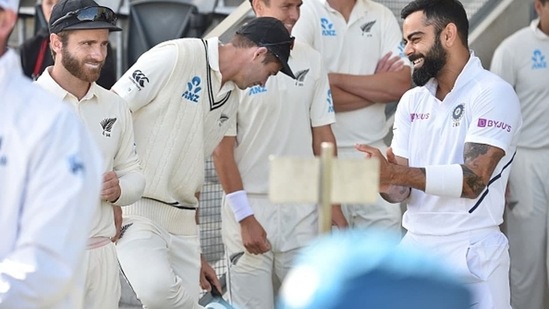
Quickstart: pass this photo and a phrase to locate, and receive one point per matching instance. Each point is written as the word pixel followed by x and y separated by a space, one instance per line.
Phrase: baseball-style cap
pixel 270 32
pixel 10 4
pixel 81 14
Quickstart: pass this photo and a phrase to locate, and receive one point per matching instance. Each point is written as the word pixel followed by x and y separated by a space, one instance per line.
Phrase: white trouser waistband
pixel 175 220
pixel 96 242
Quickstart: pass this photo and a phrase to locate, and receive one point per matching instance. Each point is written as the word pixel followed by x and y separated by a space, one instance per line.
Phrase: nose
pixel 294 14
pixel 99 53
pixel 407 50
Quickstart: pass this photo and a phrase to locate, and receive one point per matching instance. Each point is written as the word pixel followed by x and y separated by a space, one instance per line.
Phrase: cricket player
pixel 455 137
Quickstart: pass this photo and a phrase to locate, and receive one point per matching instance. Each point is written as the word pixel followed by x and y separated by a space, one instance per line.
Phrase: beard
pixel 433 62
pixel 78 68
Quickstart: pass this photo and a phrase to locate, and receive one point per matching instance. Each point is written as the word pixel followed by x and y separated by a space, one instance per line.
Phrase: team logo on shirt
pixel 139 79
pixel 367 28
pixel 300 77
pixel 538 60
pixel 256 90
pixel 3 158
pixel 327 27
pixel 330 102
pixel 193 90
pixel 457 115
pixel 75 164
pixel 106 125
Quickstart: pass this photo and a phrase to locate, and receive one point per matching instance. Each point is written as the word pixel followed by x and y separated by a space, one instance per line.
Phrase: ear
pixel 258 7
pixel 55 43
pixel 7 22
pixel 449 35
pixel 260 53
pixel 538 6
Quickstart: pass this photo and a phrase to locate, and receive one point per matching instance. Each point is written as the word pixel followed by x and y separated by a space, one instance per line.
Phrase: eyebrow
pixel 413 34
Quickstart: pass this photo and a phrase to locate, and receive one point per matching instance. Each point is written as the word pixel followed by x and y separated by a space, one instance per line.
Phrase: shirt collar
pixel 49 83
pixel 213 57
pixel 537 31
pixel 470 70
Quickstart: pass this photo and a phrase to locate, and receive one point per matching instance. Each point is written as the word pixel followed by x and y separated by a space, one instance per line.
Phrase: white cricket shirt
pixel 277 119
pixel 521 60
pixel 481 108
pixel 353 47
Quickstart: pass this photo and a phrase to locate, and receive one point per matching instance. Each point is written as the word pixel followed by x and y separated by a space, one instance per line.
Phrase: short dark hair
pixel 542 1
pixel 440 13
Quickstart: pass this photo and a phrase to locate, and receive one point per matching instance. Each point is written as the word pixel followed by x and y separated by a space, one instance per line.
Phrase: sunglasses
pixel 291 42
pixel 93 13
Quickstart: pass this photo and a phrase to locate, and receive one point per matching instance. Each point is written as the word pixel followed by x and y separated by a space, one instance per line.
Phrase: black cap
pixel 270 32
pixel 81 14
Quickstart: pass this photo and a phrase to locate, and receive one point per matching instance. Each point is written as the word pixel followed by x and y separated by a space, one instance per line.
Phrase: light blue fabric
pixel 367 269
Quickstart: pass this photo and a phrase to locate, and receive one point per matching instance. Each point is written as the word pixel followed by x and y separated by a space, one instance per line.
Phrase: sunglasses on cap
pixel 291 42
pixel 93 13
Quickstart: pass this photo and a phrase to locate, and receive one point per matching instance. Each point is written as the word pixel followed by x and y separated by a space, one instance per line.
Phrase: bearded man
pixel 79 33
pixel 455 137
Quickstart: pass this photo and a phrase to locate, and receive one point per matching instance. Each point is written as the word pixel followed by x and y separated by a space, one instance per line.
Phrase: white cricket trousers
pixel 254 280
pixel 162 268
pixel 102 285
pixel 381 215
pixel 527 227
pixel 482 259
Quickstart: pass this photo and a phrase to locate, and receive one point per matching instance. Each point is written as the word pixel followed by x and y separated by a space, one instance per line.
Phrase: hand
pixel 254 237
pixel 338 219
pixel 208 276
pixel 389 64
pixel 111 187
pixel 117 222
pixel 384 164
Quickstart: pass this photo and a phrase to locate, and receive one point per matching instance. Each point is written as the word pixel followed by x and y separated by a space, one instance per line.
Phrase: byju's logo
pixel 330 102
pixel 107 125
pixel 419 116
pixel 139 79
pixel 538 60
pixel 367 27
pixel 487 123
pixel 256 90
pixel 327 27
pixel 300 77
pixel 193 90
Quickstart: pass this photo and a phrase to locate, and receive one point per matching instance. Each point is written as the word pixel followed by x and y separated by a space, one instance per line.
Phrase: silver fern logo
pixel 106 125
pixel 300 77
pixel 367 27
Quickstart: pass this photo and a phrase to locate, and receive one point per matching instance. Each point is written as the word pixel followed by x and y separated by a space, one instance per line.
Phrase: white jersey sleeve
pixel 127 165
pixel 49 186
pixel 146 78
pixel 401 128
pixel 322 105
pixel 305 30
pixel 494 116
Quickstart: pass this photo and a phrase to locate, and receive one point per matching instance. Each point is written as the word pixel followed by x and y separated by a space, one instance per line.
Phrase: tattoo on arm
pixel 478 159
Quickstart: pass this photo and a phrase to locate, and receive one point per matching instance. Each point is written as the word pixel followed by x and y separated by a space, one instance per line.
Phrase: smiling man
pixel 455 137
pixel 79 32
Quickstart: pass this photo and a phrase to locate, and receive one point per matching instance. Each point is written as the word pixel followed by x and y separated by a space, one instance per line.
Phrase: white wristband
pixel 444 180
pixel 240 205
